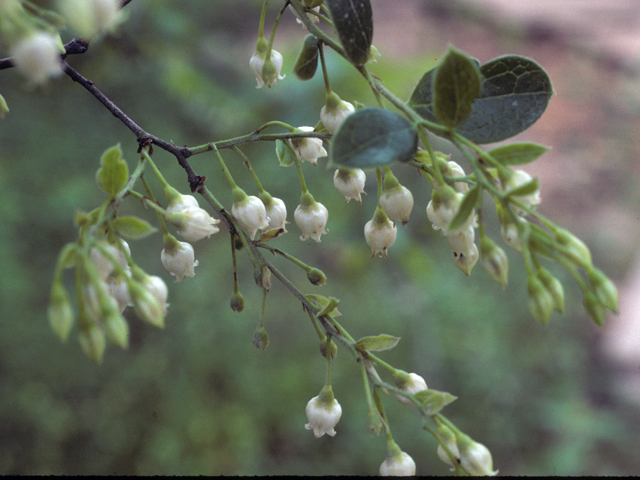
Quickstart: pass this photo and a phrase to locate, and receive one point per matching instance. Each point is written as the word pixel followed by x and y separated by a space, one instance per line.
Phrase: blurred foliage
pixel 198 398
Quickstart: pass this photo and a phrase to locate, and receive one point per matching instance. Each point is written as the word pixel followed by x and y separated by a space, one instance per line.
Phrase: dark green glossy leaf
pixel 353 21
pixel 284 153
pixel 307 62
pixel 515 93
pixel 468 203
pixel 133 227
pixel 377 343
pixel 435 400
pixel 456 85
pixel 518 153
pixel 113 174
pixel 372 137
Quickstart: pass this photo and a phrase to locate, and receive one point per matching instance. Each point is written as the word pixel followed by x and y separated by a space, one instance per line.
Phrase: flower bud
pixel 91 337
pixel 510 234
pixel 541 302
pixel 60 312
pixel 594 308
pixel 517 179
pixel 260 338
pixel 554 287
pixel 410 383
pixel 146 305
pixel 397 463
pixel 396 200
pixel 449 439
pixel 333 113
pixel 574 248
pixel 494 261
pixel 316 277
pixel 158 289
pixel 237 302
pixel 323 349
pixel 350 183
pixel 103 263
pixel 116 329
pixel 323 413
pixel 380 233
pixel 604 289
pixel 307 61
pixel 119 290
pixel 249 212
pixel 475 458
pixel 38 56
pixel 308 149
pixel 178 258
pixel 441 211
pixel 311 217
pixel 464 251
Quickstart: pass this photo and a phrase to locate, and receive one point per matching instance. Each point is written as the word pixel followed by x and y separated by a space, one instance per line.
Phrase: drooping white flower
pixel 266 71
pixel 464 250
pixel 476 459
pixel 311 217
pixel 308 149
pixel 334 112
pixel 414 383
pixel 277 214
pixel 158 288
pixel 38 56
pixel 397 203
pixel 397 463
pixel 350 183
pixel 323 413
pixel 380 233
pixel 119 290
pixel 441 212
pixel 194 223
pixel 178 259
pixel 179 203
pixel 103 264
pixel 519 178
pixel 89 17
pixel 250 213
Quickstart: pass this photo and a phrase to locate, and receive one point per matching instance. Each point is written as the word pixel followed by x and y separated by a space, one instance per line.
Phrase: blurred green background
pixel 198 398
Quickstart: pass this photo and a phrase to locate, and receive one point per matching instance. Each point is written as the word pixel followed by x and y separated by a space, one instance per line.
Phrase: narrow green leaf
pixel 307 62
pixel 518 153
pixel 132 227
pixel 468 203
pixel 285 156
pixel 68 255
pixel 371 137
pixel 515 93
pixel 113 174
pixel 435 400
pixel 320 302
pixel 525 189
pixel 456 84
pixel 377 343
pixel 353 22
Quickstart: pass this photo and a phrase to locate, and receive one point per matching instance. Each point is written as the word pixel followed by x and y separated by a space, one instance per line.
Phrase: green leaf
pixel 456 85
pixel 372 137
pixel 320 302
pixel 518 153
pixel 468 203
pixel 113 174
pixel 284 153
pixel 353 21
pixel 434 400
pixel 133 227
pixel 515 93
pixel 307 62
pixel 525 189
pixel 377 343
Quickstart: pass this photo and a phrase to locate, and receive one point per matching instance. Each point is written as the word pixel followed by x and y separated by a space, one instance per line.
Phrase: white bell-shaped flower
pixel 266 71
pixel 194 223
pixel 277 214
pixel 414 383
pixel 380 233
pixel 323 413
pixel 38 56
pixel 103 264
pixel 178 258
pixel 250 213
pixel 180 203
pixel 311 217
pixel 519 178
pixel 308 149
pixel 397 463
pixel 89 17
pixel 158 289
pixel 476 459
pixel 350 183
pixel 334 112
pixel 397 203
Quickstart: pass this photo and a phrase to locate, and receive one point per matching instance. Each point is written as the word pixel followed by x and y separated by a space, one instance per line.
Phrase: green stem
pixel 248 164
pixel 224 168
pixel 325 75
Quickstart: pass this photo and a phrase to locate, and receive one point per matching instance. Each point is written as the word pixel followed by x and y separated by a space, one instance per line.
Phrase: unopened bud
pixel 60 311
pixel 540 300
pixel 323 349
pixel 554 287
pixel 316 277
pixel 4 108
pixel 494 260
pixel 260 338
pixel 237 302
pixel 92 338
pixel 575 248
pixel 307 62
pixel 595 309
pixel 604 289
